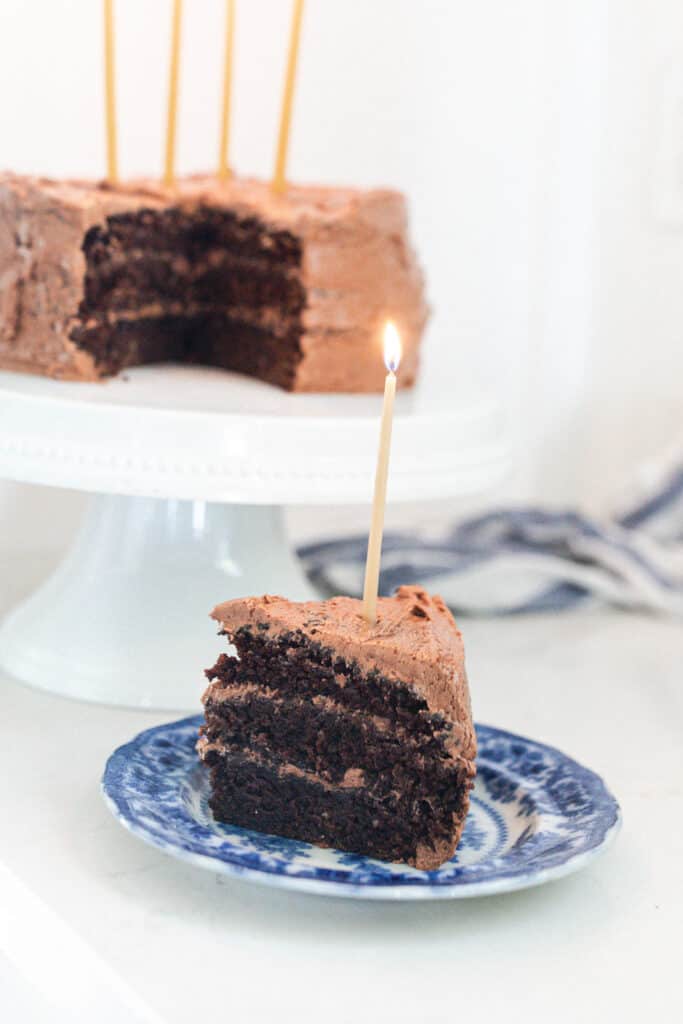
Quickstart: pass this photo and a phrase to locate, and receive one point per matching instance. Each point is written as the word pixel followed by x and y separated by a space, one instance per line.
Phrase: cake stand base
pixel 124 619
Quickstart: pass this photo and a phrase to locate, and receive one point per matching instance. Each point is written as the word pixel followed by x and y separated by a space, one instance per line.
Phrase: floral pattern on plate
pixel 535 815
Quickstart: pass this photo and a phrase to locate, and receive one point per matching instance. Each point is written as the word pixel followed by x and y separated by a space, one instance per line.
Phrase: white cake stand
pixel 189 468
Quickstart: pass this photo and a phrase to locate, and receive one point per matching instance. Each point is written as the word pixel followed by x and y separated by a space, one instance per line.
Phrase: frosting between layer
pixel 354 778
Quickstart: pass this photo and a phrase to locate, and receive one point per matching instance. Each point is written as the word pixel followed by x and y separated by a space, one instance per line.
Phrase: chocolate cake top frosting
pixel 300 206
pixel 415 639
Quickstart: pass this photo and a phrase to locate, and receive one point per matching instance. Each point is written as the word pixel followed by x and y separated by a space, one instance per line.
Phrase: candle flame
pixel 392 347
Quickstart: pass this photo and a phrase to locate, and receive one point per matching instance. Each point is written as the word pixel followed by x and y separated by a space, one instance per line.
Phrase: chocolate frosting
pixel 358 269
pixel 415 640
pixel 353 778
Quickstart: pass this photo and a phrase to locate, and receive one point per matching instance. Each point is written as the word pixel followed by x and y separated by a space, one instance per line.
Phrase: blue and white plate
pixel 535 815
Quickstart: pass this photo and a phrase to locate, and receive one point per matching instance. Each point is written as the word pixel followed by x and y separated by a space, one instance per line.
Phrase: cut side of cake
pixel 326 729
pixel 291 289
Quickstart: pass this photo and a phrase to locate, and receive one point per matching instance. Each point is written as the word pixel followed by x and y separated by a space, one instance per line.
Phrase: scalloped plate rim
pixel 380 889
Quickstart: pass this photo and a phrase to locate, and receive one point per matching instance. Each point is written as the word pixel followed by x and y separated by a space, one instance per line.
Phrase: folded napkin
pixel 529 559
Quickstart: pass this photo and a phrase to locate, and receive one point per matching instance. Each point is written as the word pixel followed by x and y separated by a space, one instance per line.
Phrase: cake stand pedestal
pixel 189 470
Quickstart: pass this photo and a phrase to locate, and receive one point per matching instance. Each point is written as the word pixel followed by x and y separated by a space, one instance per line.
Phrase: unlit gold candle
pixel 172 116
pixel 110 91
pixel 279 175
pixel 392 358
pixel 223 164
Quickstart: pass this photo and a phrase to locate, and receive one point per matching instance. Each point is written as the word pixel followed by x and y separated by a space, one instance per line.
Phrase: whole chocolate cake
pixel 292 289
pixel 339 733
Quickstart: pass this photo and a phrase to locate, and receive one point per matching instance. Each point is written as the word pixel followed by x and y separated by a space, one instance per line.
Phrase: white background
pixel 541 146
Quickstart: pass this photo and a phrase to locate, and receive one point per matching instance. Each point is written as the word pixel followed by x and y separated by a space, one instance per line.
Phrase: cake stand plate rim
pixel 324 456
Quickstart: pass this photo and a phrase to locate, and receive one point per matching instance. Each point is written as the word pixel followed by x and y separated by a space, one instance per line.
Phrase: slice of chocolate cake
pixel 342 734
pixel 292 289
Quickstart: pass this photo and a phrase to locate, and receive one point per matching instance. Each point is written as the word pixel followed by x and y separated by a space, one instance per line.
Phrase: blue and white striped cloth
pixel 529 559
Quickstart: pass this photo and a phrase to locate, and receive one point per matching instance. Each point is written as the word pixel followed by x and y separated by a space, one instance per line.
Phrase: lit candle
pixel 172 117
pixel 223 165
pixel 110 91
pixel 279 175
pixel 392 358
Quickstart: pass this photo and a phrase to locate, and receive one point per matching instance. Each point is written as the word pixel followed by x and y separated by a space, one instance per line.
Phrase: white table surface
pixel 95 925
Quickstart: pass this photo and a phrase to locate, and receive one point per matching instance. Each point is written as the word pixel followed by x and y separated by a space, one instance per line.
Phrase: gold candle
pixel 110 91
pixel 279 174
pixel 172 115
pixel 392 358
pixel 223 165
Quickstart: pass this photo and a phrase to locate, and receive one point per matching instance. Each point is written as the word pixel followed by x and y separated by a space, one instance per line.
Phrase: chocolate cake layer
pixel 178 260
pixel 367 728
pixel 208 339
pixel 318 735
pixel 218 280
pixel 192 231
pixel 300 667
pixel 255 793
pixel 308 279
